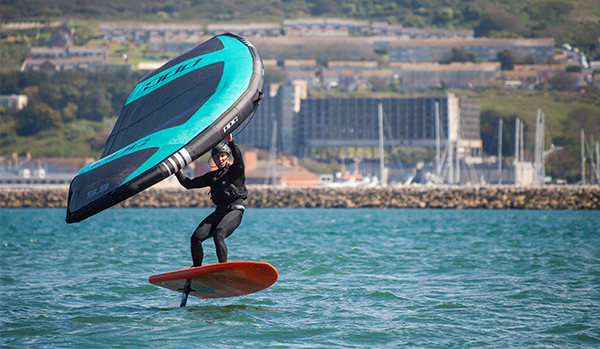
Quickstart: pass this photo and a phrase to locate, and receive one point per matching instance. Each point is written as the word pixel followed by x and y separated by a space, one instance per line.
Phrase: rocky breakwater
pixel 484 197
pixel 461 197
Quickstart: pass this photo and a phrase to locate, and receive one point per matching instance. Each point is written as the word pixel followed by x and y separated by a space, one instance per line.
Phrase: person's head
pixel 220 155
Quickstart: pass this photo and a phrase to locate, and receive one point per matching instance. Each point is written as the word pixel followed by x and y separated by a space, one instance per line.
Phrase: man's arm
pixel 198 182
pixel 237 167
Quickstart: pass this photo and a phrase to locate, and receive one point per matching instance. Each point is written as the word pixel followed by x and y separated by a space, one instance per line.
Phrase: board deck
pixel 229 279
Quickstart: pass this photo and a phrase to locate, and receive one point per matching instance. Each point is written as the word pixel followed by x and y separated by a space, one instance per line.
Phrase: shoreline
pixel 552 197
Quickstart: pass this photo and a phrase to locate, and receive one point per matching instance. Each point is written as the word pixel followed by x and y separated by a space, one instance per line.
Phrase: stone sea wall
pixel 487 197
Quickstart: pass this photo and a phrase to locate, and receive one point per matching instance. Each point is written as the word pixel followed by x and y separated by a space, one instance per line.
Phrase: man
pixel 228 190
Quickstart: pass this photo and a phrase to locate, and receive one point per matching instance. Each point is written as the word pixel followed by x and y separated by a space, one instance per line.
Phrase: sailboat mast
pixel 517 124
pixel 438 167
pixel 582 157
pixel 381 153
pixel 500 151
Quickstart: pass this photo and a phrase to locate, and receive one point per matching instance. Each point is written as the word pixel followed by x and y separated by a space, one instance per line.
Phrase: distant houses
pixel 433 50
pixel 306 27
pixel 145 32
pixel 245 30
pixel 413 53
pixel 354 75
pixel 62 54
pixel 529 76
pixel 319 27
pixel 456 74
pixel 53 59
pixel 14 101
pixel 386 29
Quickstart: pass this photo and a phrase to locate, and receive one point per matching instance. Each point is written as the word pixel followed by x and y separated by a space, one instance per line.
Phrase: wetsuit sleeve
pixel 237 168
pixel 198 182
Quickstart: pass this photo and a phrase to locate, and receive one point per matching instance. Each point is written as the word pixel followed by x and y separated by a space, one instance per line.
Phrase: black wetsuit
pixel 228 191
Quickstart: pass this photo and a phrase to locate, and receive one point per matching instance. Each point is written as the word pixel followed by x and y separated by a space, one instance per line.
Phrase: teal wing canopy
pixel 173 116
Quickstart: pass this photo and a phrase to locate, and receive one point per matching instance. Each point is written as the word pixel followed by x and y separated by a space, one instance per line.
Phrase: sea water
pixel 348 278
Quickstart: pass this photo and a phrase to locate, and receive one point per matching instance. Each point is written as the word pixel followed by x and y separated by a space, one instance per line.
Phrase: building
pixel 469 140
pixel 51 52
pixel 259 131
pixel 319 27
pixel 353 65
pixel 386 29
pixel 52 65
pixel 380 77
pixel 172 41
pixel 351 80
pixel 142 32
pixel 17 102
pixel 532 75
pixel 62 36
pixel 274 119
pixel 456 74
pixel 283 174
pixel 17 172
pixel 245 30
pixel 52 59
pixel 298 64
pixel 350 122
pixel 433 50
pixel 519 79
pixel 323 123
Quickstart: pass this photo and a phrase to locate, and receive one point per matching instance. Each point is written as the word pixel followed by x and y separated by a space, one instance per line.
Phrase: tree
pixel 457 54
pixel 321 7
pixel 497 20
pixel 95 105
pixel 472 12
pixel 36 118
pixel 506 59
pixel 274 75
pixel 564 81
pixel 489 132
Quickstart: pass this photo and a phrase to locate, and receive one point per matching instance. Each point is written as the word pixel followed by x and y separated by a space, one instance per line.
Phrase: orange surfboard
pixel 229 279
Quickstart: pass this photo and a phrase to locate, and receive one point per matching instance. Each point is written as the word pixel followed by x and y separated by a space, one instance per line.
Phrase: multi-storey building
pixel 434 75
pixel 386 29
pixel 325 27
pixel 52 59
pixel 433 50
pixel 245 30
pixel 303 123
pixel 353 122
pixel 142 32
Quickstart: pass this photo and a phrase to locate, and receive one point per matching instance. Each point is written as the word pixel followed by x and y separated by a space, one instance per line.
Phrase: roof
pixel 292 176
pixel 539 67
pixel 248 26
pixel 299 62
pixel 353 64
pixel 457 42
pixel 64 60
pixel 378 73
pixel 518 74
pixel 454 66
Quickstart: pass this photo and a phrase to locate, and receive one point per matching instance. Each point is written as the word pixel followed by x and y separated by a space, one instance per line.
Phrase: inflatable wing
pixel 173 116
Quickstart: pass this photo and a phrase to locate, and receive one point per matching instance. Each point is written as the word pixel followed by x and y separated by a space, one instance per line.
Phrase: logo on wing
pixel 231 123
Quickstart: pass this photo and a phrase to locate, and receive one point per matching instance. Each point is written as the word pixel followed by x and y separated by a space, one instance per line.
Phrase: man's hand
pixel 229 138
